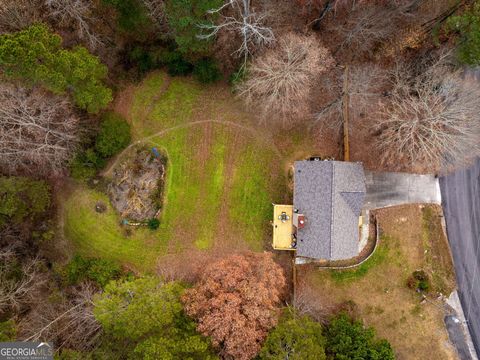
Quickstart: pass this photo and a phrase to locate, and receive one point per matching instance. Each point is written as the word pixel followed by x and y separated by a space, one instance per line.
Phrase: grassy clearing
pixel 161 102
pixel 217 173
pixel 381 254
pixel 379 290
pixel 99 235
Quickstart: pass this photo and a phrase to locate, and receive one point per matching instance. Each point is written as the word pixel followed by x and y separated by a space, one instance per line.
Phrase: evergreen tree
pixel 35 55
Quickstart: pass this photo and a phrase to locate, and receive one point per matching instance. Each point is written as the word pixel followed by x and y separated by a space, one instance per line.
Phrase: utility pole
pixel 346 115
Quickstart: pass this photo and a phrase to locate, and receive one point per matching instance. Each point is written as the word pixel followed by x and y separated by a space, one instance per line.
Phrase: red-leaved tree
pixel 236 303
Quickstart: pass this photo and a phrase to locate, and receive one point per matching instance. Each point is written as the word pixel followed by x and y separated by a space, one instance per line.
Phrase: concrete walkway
pixel 386 189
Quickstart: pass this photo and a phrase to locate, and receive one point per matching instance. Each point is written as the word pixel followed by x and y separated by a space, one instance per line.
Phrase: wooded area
pixel 71 73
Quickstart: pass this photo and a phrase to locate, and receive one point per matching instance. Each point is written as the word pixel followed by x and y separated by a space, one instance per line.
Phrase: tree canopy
pixel 35 55
pixel 184 18
pixel 348 339
pixel 296 337
pixel 21 197
pixel 114 135
pixel 236 302
pixel 148 316
pixel 468 26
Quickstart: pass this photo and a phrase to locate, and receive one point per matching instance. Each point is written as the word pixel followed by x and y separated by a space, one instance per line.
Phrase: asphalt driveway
pixel 391 188
pixel 461 206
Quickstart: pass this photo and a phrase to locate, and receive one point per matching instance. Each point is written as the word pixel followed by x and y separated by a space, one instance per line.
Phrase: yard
pixel 223 174
pixel 412 239
pixel 224 171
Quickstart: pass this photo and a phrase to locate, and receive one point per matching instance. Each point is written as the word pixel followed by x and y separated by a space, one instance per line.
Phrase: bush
pixel 100 271
pixel 419 281
pixel 114 135
pixel 206 71
pixel 153 224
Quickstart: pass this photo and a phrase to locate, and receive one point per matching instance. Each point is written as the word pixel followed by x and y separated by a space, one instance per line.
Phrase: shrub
pixel 114 135
pixel 206 71
pixel 100 271
pixel 153 224
pixel 419 281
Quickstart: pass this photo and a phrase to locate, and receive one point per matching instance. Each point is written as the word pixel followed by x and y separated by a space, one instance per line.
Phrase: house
pixel 323 222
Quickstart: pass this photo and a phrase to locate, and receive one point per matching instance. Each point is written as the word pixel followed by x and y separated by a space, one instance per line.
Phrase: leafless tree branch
pixel 246 23
pixel 17 291
pixel 432 117
pixel 78 14
pixel 279 82
pixel 38 131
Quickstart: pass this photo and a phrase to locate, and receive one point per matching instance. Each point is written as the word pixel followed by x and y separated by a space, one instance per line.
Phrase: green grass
pixel 252 194
pixel 378 257
pixel 208 166
pixel 99 235
pixel 157 106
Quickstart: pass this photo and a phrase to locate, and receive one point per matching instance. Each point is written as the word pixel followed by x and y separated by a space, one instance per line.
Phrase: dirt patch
pixel 124 100
pixel 137 185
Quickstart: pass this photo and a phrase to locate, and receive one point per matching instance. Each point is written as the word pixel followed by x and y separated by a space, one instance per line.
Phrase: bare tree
pixel 280 81
pixel 365 85
pixel 156 11
pixel 17 291
pixel 18 14
pixel 431 119
pixel 38 131
pixel 75 13
pixel 69 323
pixel 249 25
pixel 367 26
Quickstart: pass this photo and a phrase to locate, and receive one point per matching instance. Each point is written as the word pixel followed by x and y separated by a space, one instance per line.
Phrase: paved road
pixel 389 189
pixel 461 205
pixel 456 335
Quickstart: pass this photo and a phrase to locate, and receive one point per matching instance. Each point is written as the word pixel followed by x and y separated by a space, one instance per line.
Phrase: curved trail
pixel 258 135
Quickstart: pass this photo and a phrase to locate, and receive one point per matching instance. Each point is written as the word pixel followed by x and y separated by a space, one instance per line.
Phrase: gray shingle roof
pixel 330 194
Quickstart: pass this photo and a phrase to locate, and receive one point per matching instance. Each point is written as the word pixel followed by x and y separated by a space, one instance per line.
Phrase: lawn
pixel 222 177
pixel 412 239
